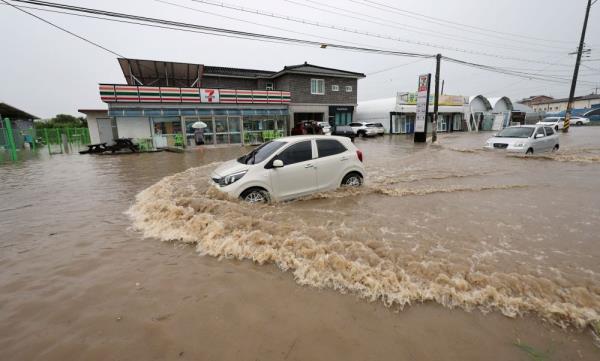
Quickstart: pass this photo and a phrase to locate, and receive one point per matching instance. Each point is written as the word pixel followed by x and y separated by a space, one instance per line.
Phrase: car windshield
pixel 261 153
pixel 516 133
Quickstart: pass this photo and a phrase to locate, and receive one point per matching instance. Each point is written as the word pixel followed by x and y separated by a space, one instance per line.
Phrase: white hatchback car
pixel 526 139
pixel 291 167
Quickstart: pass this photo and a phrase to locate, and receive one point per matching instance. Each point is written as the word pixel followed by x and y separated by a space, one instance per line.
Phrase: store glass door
pixel 235 134
pixel 221 130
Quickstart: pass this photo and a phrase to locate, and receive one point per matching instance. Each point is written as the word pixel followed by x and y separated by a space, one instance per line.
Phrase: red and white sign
pixel 422 103
pixel 209 95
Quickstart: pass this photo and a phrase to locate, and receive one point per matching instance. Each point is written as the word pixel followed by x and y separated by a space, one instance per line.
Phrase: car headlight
pixel 231 178
pixel 518 145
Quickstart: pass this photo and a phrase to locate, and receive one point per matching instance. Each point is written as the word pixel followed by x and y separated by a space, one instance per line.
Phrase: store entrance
pixel 307 117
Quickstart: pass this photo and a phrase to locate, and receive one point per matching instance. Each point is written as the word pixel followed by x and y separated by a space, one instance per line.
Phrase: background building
pixel 20 121
pixel 456 113
pixel 560 105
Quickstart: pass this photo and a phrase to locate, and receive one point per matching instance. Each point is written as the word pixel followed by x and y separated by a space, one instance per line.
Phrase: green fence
pixel 54 139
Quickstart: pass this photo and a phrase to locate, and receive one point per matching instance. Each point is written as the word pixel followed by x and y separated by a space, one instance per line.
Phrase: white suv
pixel 291 167
pixel 364 129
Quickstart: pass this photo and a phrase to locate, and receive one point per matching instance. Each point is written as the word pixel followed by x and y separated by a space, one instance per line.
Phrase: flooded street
pixel 447 252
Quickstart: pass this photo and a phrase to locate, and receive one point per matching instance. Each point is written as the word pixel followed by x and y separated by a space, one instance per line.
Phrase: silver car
pixel 526 139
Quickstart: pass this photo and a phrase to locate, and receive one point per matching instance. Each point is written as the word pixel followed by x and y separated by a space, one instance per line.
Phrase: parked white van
pixel 291 167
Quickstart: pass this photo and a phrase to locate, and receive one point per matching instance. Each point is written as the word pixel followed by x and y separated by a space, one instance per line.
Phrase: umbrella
pixel 199 125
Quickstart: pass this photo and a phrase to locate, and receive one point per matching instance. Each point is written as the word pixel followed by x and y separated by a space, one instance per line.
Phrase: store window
pixel 317 86
pixel 348 88
pixel 269 86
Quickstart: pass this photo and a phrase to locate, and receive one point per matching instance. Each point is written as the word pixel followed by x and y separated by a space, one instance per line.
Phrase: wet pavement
pixel 384 271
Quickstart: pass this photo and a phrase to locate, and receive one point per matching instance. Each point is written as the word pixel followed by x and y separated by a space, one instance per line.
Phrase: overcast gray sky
pixel 45 71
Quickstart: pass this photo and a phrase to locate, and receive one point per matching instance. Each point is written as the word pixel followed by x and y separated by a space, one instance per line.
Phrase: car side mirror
pixel 277 163
pixel 539 136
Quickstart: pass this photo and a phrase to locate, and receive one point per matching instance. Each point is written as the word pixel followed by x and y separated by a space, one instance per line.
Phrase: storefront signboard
pixel 445 100
pixel 209 95
pixel 422 108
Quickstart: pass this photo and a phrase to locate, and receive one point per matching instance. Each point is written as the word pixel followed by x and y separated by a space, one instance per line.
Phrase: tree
pixel 63 121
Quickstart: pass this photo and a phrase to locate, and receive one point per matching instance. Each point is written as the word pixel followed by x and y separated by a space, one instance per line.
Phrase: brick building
pixel 161 100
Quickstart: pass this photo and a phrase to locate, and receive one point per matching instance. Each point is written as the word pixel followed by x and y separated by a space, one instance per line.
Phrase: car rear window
pixel 328 147
pixel 299 152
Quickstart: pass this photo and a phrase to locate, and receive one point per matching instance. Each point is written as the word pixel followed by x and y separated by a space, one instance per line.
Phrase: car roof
pixel 297 138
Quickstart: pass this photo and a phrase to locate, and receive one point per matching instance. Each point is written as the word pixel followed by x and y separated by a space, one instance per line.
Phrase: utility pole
pixel 438 59
pixel 567 121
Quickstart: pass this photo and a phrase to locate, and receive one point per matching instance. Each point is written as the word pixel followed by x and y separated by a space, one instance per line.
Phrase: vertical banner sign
pixel 209 95
pixel 422 108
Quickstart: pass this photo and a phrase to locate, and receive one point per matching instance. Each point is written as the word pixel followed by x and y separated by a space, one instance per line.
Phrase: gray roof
pixel 237 72
pixel 8 111
pixel 154 72
pixel 307 68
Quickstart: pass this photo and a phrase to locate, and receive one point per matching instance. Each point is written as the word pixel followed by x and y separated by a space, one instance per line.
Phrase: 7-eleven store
pixel 163 116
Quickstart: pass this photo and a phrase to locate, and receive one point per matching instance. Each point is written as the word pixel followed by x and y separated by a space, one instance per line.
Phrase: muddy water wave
pixel 348 255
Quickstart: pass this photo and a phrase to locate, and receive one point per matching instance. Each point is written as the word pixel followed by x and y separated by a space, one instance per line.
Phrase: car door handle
pixel 308 166
pixel 343 158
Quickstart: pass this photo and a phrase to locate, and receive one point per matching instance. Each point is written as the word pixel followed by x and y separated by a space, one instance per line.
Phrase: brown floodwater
pixel 447 252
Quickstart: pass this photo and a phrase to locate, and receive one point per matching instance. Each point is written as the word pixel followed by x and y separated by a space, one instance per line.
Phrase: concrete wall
pixel 299 85
pixel 91 117
pixel 130 127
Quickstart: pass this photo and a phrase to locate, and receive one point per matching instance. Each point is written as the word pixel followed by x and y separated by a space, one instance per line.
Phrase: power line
pixel 263 37
pixel 415 29
pixel 394 67
pixel 457 25
pixel 214 30
pixel 254 23
pixel 525 75
pixel 65 30
pixel 357 31
pixel 143 24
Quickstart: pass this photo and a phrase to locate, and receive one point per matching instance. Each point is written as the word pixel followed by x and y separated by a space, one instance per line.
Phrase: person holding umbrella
pixel 199 132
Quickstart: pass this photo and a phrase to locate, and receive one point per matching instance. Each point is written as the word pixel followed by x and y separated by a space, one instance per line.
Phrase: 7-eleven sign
pixel 209 95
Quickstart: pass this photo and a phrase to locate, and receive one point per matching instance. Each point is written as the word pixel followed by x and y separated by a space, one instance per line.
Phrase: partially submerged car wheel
pixel 555 149
pixel 579 123
pixel 255 195
pixel 529 151
pixel 353 179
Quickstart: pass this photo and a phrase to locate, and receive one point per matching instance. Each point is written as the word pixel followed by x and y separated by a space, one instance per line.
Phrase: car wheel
pixel 579 123
pixel 353 179
pixel 255 195
pixel 556 127
pixel 361 133
pixel 556 147
pixel 529 151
